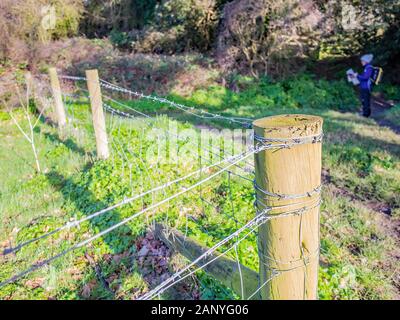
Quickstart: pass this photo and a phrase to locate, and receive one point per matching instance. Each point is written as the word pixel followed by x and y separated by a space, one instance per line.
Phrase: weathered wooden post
pixel 99 124
pixel 58 101
pixel 288 179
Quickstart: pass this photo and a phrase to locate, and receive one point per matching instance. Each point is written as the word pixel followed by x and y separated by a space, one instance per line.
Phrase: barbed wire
pixel 191 110
pixel 288 142
pixel 121 113
pixel 316 190
pixel 246 122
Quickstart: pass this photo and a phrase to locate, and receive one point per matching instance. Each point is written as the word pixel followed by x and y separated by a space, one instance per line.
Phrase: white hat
pixel 367 58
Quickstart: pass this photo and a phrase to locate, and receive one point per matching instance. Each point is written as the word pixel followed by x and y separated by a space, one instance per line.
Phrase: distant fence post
pixel 289 179
pixel 58 101
pixel 99 124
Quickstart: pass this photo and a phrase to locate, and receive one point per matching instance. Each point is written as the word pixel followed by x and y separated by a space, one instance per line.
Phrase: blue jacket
pixel 365 78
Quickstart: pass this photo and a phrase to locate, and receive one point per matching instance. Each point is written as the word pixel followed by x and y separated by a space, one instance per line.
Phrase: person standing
pixel 366 84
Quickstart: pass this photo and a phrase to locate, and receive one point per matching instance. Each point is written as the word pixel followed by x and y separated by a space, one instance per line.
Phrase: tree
pixel 265 36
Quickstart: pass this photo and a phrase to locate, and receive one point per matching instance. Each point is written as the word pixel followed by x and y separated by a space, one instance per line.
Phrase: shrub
pixel 310 93
pixel 119 38
pixel 151 40
pixel 178 25
pixel 266 37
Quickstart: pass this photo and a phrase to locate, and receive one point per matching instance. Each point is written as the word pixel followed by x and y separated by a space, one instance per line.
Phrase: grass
pixel 361 172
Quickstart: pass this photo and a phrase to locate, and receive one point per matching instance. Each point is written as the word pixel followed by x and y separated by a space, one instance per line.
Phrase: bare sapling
pixel 30 118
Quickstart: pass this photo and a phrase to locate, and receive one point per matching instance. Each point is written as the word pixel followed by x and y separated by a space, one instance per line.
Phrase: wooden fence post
pixel 59 105
pixel 99 123
pixel 289 245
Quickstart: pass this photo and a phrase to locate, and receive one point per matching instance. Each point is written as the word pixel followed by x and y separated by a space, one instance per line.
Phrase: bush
pixel 310 93
pixel 307 93
pixel 267 37
pixel 151 40
pixel 179 25
pixel 118 38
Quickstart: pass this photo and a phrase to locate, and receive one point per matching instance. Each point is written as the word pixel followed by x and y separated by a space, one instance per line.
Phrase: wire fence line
pixel 191 110
pixel 148 121
pixel 261 141
pixel 214 150
pixel 222 166
pixel 254 223
pixel 279 143
pixel 197 112
pixel 71 224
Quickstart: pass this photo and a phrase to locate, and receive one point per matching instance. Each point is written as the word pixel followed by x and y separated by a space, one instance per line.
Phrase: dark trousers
pixel 365 96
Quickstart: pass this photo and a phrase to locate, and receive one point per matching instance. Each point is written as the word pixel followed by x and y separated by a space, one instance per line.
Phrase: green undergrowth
pixel 297 92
